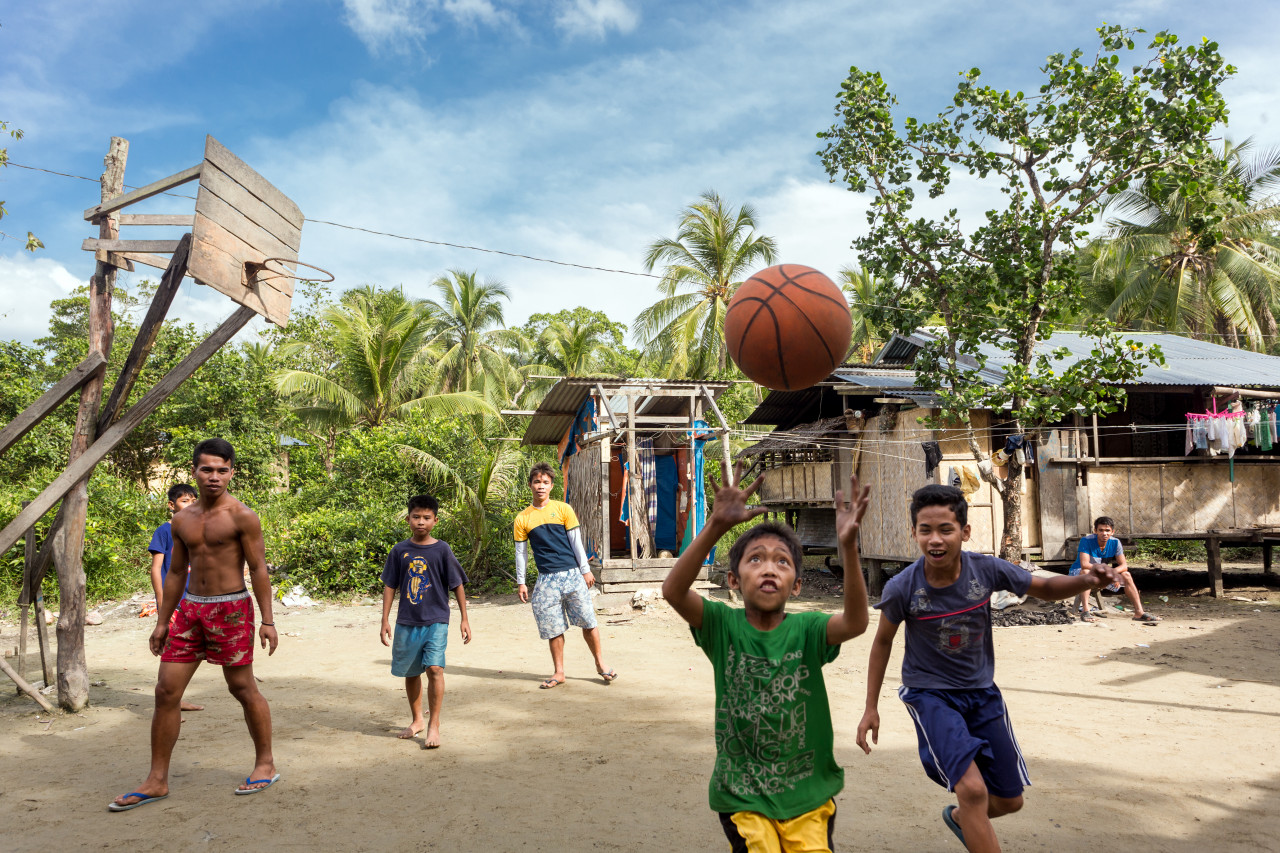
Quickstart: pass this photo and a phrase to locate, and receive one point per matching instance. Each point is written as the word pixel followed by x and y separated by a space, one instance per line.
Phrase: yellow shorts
pixel 752 832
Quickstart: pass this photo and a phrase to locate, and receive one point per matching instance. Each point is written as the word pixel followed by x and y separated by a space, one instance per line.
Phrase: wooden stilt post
pixel 24 598
pixel 68 545
pixel 1266 558
pixel 1215 566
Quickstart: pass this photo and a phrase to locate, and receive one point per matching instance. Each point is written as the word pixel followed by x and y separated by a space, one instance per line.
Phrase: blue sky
pixel 567 129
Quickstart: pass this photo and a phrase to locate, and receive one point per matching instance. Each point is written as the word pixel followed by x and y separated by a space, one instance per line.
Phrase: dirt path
pixel 1137 738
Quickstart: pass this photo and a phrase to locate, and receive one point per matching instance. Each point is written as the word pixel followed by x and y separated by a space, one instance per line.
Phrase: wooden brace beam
pixel 50 400
pixel 94 244
pixel 83 466
pixel 148 191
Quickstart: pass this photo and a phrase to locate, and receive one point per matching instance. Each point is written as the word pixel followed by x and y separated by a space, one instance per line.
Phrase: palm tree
pixel 1205 266
pixel 713 250
pixel 468 328
pixel 572 345
pixel 384 368
pixel 866 294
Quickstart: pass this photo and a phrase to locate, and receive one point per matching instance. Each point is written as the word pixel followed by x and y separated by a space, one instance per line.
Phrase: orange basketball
pixel 788 327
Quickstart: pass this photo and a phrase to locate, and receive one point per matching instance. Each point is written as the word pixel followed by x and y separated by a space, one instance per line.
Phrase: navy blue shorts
pixel 958 727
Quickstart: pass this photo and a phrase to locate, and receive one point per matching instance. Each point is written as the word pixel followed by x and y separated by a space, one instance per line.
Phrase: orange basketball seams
pixel 788 327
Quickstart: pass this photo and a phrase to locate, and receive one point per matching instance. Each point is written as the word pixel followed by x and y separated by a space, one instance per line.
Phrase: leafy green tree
pixel 1204 263
pixel 33 242
pixel 1091 131
pixel 715 247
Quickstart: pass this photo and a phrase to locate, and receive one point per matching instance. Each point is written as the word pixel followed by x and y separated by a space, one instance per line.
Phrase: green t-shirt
pixel 774 745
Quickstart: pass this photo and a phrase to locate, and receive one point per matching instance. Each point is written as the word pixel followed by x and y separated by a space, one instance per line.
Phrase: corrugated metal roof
pixel 1187 361
pixel 555 414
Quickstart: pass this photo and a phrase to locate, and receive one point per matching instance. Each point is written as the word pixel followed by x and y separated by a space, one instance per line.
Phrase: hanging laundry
pixel 932 458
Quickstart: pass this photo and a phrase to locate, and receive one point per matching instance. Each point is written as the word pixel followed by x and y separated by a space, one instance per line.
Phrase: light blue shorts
pixel 416 647
pixel 561 599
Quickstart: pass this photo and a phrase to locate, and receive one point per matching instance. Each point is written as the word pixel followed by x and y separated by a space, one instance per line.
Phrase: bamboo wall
pixel 1173 498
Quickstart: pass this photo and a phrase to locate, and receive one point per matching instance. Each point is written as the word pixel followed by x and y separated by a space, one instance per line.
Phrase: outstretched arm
pixel 852 620
pixel 878 662
pixel 1064 586
pixel 729 510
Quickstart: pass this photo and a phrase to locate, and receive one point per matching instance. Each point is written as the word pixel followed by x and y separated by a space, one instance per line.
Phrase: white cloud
pixel 595 18
pixel 27 285
pixel 397 25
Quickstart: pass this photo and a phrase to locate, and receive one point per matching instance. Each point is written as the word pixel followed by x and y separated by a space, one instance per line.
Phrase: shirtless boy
pixel 214 537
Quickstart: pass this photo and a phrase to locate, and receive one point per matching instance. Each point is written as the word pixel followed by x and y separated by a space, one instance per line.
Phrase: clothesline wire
pixel 521 256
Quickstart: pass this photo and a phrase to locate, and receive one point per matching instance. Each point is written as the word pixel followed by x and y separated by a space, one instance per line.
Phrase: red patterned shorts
pixel 216 628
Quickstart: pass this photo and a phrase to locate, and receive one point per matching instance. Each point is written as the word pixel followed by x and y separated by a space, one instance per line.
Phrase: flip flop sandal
pixel 1146 619
pixel 952 825
pixel 550 684
pixel 249 781
pixel 608 676
pixel 146 798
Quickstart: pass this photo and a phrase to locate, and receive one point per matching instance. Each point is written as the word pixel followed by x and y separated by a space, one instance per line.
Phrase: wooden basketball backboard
pixel 246 233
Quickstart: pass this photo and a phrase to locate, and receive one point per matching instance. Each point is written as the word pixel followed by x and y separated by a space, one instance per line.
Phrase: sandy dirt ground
pixel 1161 738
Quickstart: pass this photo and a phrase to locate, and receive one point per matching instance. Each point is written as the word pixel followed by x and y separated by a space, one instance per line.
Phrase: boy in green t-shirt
pixel 776 774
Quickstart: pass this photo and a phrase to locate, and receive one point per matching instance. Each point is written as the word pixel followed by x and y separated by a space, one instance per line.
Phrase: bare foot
pixel 263 776
pixel 412 730
pixel 433 738
pixel 187 706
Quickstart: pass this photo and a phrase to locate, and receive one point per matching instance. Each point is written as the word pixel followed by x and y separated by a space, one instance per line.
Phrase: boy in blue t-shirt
pixel 776 776
pixel 1100 547
pixel 422 569
pixel 965 738
pixel 181 496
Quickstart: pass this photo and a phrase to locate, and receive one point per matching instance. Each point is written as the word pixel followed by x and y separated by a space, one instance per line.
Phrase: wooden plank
pixel 621 575
pixel 239 252
pixel 146 337
pixel 218 268
pixel 218 184
pixel 51 399
pixel 654 585
pixel 24 686
pixel 143 193
pixel 226 217
pixel 92 244
pixel 182 220
pixel 114 259
pixel 217 154
pixel 96 452
pixel 148 260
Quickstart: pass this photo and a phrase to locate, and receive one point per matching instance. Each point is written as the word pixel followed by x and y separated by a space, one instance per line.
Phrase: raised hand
pixel 730 508
pixel 849 512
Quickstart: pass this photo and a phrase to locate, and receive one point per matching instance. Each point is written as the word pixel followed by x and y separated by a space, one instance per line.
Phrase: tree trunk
pixel 1269 328
pixel 68 548
pixel 1011 538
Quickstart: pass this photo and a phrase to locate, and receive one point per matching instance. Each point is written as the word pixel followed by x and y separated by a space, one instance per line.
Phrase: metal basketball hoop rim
pixel 284 273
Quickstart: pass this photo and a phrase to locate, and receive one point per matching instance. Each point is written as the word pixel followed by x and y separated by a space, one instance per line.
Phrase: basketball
pixel 788 327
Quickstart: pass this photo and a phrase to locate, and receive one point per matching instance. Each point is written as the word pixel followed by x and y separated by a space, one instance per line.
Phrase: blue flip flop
pixel 249 781
pixel 146 798
pixel 952 825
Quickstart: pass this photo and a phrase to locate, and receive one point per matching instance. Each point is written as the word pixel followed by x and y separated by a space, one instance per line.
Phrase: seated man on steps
pixel 1102 546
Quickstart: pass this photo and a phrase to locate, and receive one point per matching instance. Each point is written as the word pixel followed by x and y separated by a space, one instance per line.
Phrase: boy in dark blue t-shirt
pixel 422 569
pixel 181 496
pixel 965 738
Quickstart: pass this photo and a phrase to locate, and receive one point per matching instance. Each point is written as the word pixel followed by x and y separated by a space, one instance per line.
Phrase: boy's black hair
pixel 425 502
pixel 218 447
pixel 542 468
pixel 1104 519
pixel 936 495
pixel 767 528
pixel 177 490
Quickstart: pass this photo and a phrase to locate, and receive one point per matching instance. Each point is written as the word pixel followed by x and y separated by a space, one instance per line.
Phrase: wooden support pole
pixel 24 686
pixel 147 334
pixel 121 428
pixel 1266 558
pixel 51 399
pixel 1215 566
pixel 24 596
pixel 725 451
pixel 633 463
pixel 68 542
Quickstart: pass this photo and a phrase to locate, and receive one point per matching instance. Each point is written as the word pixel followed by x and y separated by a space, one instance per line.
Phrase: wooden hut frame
pixel 628 410
pixel 244 242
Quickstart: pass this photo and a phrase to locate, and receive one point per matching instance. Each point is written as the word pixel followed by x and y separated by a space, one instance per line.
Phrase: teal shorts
pixel 416 647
